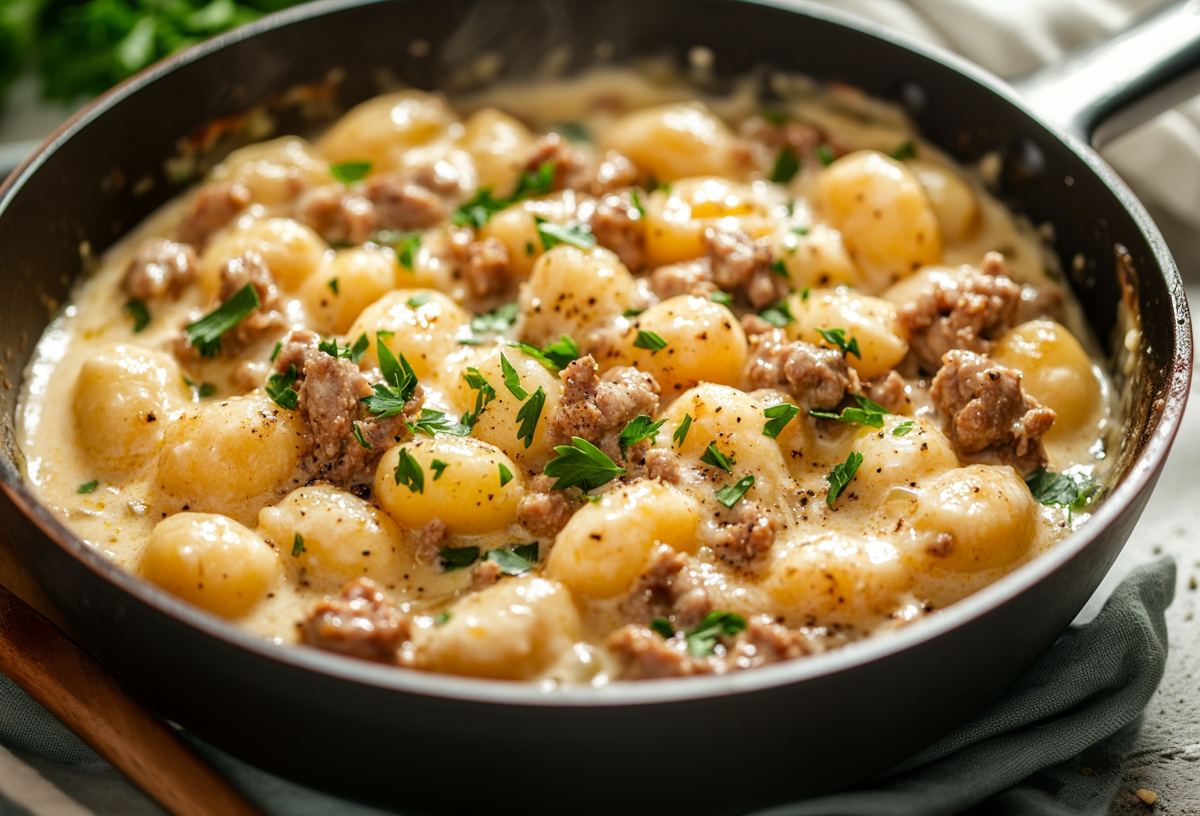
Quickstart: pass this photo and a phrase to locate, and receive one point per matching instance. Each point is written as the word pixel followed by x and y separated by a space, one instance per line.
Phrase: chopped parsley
pixel 487 393
pixel 682 431
pixel 527 551
pixel 578 235
pixel 409 473
pixel 456 558
pixel 136 309
pixel 903 428
pixel 663 627
pixel 479 210
pixel 1060 490
pixel 279 389
pixel 529 415
pixel 837 339
pixel 88 487
pixel 352 353
pixel 359 348
pixel 297 545
pixel 801 231
pixel 391 396
pixel 510 563
pixel 498 320
pixel 438 467
pixel 333 285
pixel 825 155
pixel 358 435
pixel 841 475
pixel 581 464
pixel 637 203
pixel 442 619
pixel 418 300
pixel 778 315
pixel 348 172
pixel 278 348
pixel 205 333
pixel 714 457
pixel 650 341
pixel 638 428
pixel 505 474
pixel 702 638
pixel 572 131
pixel 724 298
pixel 556 356
pixel 732 494
pixel 908 150
pixel 512 380
pixel 435 422
pixel 778 416
pixel 778 268
pixel 868 413
pixel 787 165
pixel 407 250
pixel 632 312
pixel 200 390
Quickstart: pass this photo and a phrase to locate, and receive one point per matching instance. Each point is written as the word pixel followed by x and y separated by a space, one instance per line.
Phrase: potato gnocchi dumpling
pixel 594 380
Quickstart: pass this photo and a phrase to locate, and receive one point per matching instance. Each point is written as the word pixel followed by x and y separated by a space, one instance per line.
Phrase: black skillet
pixel 717 744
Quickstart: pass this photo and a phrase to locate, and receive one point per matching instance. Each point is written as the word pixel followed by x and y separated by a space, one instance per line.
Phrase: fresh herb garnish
pixel 348 172
pixel 200 390
pixel 505 474
pixel 205 333
pixel 787 165
pixel 409 473
pixel 801 231
pixel 637 429
pixel 724 298
pixel 732 494
pixel 868 413
pixel 581 464
pixel 825 155
pixel 903 428
pixel 88 487
pixel 577 235
pixel 778 416
pixel 837 339
pixel 562 352
pixel 442 619
pixel 702 638
pixel 498 320
pixel 136 309
pixel 841 475
pixel 391 396
pixel 476 212
pixel 358 435
pixel 407 250
pixel 512 380
pixel 359 348
pixel 651 341
pixel 297 545
pixel 510 563
pixel 529 415
pixel 438 467
pixel 663 627
pixel 279 389
pixel 1060 490
pixel 682 431
pixel 456 558
pixel 778 315
pixel 778 268
pixel 333 285
pixel 435 422
pixel 278 348
pixel 487 393
pixel 908 150
pixel 418 300
pixel 527 551
pixel 714 457
pixel 637 203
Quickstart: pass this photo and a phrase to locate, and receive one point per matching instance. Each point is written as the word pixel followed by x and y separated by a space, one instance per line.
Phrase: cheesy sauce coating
pixel 584 381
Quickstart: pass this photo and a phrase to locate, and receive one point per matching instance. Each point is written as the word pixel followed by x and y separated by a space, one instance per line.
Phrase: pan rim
pixel 482 691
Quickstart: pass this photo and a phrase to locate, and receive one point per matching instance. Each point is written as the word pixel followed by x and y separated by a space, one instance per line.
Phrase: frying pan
pixel 708 744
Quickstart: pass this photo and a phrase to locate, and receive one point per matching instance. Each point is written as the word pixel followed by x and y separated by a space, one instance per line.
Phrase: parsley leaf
pixel 682 431
pixel 443 618
pixel 358 435
pixel 418 300
pixel 714 457
pixel 512 380
pixel 581 464
pixel 637 203
pixel 349 172
pixel 563 352
pixel 200 390
pixel 527 551
pixel 903 428
pixel 663 627
pixel 407 250
pixel 136 309
pixel 650 341
pixel 510 563
pixel 778 315
pixel 778 417
pixel 1059 489
pixel 278 348
pixel 333 285
pixel 205 333
pixel 702 638
pixel 499 319
pixel 837 339
pixel 825 155
pixel 787 165
pixel 505 474
pixel 841 475
pixel 409 473
pixel 390 398
pixel 487 393
pixel 88 487
pixel 297 545
pixel 868 413
pixel 724 298
pixel 578 235
pixel 779 268
pixel 359 348
pixel 435 422
pixel 908 150
pixel 476 212
pixel 438 467
pixel 529 415
pixel 637 429
pixel 455 558
pixel 732 494
pixel 279 389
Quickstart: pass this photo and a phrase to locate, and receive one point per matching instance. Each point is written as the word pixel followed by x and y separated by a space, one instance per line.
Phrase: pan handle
pixel 1108 87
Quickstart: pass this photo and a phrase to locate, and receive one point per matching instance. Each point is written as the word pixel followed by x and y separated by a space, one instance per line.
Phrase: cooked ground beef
pixel 989 411
pixel 428 540
pixel 617 225
pixel 889 391
pixel 739 263
pixel 746 537
pixel 545 511
pixel 401 204
pixel 667 589
pixel 817 377
pixel 485 574
pixel 488 268
pixel 597 408
pixel 159 268
pixel 338 216
pixel 693 277
pixel 576 169
pixel 647 656
pixel 361 622
pixel 662 463
pixel 215 206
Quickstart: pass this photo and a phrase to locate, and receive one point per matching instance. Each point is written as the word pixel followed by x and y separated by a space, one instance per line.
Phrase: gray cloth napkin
pixel 1052 746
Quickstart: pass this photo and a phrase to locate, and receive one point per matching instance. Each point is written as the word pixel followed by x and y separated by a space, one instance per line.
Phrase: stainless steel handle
pixel 1105 88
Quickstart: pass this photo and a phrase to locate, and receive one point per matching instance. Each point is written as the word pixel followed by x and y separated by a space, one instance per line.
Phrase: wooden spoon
pixel 71 685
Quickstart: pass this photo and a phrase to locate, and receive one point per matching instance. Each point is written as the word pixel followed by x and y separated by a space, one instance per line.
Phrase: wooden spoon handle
pixel 72 686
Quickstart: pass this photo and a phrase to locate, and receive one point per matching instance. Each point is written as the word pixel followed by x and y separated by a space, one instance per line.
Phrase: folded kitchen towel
pixel 1052 746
